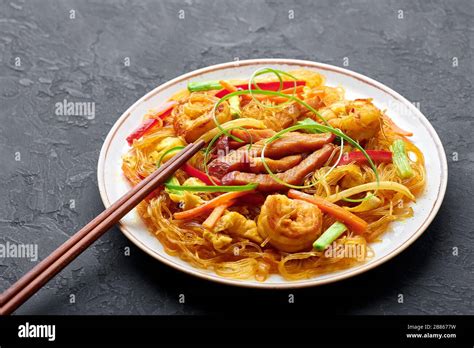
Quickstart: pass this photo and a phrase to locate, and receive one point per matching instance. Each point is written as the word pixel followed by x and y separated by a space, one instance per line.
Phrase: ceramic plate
pixel 112 184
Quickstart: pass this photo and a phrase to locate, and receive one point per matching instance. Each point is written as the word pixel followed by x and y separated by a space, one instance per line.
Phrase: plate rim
pixel 287 284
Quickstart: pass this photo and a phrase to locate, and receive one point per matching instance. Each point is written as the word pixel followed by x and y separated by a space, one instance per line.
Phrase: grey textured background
pixel 82 59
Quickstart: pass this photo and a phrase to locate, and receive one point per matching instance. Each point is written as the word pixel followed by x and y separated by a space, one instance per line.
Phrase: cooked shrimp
pixel 360 119
pixel 289 224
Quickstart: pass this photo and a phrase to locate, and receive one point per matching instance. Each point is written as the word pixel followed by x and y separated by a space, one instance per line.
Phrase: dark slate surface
pixel 82 59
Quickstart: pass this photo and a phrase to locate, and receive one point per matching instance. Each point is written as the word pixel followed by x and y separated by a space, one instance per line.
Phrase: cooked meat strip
pixel 276 166
pixel 290 144
pixel 222 146
pixel 247 135
pixel 295 142
pixel 236 160
pixel 252 164
pixel 225 144
pixel 294 176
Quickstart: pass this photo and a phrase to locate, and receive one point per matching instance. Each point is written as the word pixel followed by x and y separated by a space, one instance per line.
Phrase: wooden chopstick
pixel 26 286
pixel 27 278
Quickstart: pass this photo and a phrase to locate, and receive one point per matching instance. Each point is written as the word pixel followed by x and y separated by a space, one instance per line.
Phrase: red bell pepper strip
pixel 160 113
pixel 266 86
pixel 191 171
pixel 358 157
pixel 142 129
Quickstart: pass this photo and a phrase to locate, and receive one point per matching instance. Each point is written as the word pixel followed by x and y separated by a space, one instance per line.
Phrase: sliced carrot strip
pixel 212 219
pixel 191 213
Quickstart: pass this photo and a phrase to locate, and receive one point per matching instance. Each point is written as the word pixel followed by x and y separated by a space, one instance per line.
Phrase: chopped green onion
pixel 211 188
pixel 203 86
pixel 329 236
pixel 400 159
pixel 234 103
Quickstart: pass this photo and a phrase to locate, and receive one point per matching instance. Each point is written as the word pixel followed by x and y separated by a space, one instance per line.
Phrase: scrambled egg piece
pixel 237 224
pixel 192 181
pixel 165 145
pixel 218 240
pixel 187 199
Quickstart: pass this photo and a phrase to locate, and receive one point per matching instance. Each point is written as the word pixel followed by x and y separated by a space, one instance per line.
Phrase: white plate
pixel 112 183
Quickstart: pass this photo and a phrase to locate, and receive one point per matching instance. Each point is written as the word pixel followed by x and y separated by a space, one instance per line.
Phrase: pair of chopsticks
pixel 32 281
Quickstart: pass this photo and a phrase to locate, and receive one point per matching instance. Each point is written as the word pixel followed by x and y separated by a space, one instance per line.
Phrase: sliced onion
pixel 382 185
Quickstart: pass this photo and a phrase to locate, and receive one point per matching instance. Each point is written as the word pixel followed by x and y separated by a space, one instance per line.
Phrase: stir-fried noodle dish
pixel 294 180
